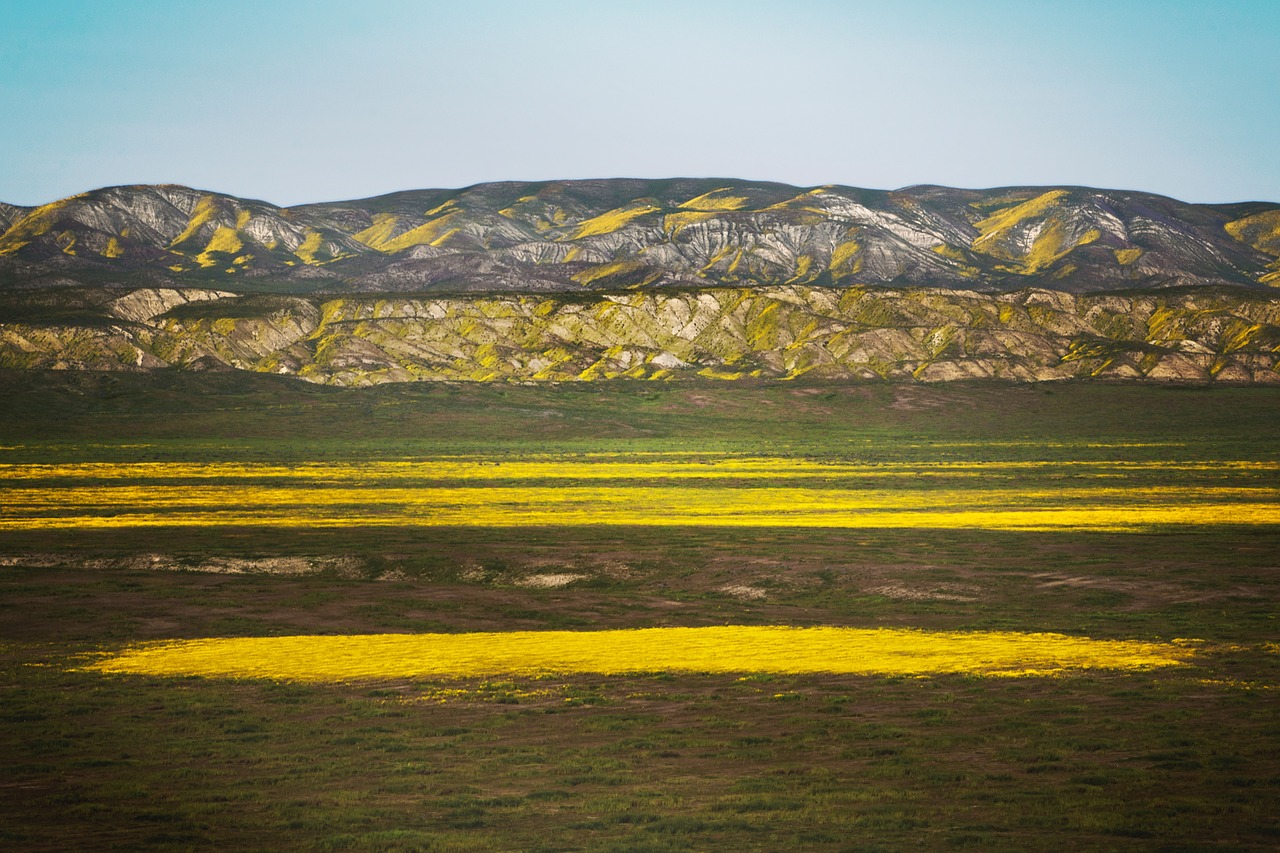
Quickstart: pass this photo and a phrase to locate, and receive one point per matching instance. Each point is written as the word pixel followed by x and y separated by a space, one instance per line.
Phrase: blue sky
pixel 308 101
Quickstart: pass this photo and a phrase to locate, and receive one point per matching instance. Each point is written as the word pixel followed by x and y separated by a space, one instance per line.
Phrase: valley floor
pixel 238 478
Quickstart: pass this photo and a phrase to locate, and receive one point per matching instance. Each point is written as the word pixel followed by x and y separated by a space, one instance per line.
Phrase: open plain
pixel 639 427
pixel 145 510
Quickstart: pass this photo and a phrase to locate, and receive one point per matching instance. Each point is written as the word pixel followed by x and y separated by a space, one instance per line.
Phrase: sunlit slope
pixel 708 490
pixel 617 234
pixel 731 648
pixel 722 333
pixel 1261 231
pixel 166 231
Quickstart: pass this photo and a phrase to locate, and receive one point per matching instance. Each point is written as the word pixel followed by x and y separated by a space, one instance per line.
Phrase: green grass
pixel 238 415
pixel 687 762
pixel 1175 760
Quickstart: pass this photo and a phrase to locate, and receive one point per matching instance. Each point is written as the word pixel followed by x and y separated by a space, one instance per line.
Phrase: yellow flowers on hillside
pixel 722 649
pixel 612 220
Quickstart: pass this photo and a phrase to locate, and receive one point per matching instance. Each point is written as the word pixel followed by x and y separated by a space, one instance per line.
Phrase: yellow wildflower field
pixel 721 649
pixel 597 466
pixel 655 490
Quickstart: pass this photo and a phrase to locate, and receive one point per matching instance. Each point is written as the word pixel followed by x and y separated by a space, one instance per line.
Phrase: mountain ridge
pixel 1185 335
pixel 618 234
pixel 555 281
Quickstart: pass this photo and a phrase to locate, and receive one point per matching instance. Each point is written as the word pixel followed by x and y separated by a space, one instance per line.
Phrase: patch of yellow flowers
pixel 713 490
pixel 724 649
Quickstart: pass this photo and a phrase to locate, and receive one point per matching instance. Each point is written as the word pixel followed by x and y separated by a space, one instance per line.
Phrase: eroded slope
pixel 777 332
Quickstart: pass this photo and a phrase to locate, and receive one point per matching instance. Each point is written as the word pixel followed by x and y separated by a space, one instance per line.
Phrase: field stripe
pixel 725 513
pixel 499 468
pixel 714 492
pixel 720 649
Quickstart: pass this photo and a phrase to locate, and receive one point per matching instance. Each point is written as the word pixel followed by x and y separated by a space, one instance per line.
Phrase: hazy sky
pixel 323 100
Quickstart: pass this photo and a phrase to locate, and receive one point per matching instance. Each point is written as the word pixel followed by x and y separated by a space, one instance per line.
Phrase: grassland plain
pixel 1181 757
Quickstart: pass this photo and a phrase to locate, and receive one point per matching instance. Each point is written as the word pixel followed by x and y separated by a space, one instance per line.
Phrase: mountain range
pixel 641 234
pixel 586 280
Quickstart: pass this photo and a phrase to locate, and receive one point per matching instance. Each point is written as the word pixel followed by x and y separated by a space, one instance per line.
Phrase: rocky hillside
pixel 618 235
pixel 781 332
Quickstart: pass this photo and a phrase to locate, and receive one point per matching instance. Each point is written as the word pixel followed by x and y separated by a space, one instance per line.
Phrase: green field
pixel 229 470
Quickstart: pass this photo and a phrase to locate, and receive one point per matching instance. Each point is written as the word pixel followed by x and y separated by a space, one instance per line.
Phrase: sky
pixel 295 102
